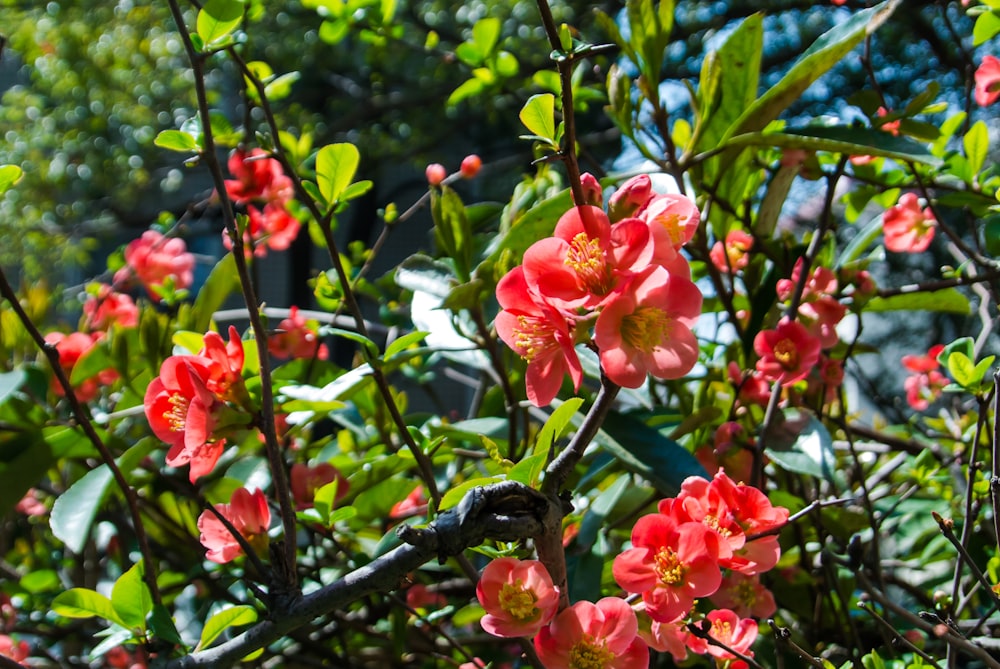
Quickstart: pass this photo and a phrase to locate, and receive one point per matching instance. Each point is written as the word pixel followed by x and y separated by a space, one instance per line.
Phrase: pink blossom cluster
pixel 619 273
pixel 248 514
pixel 907 227
pixel 295 337
pixel 262 186
pixel 925 382
pixel 161 264
pixel 713 540
pixel 196 400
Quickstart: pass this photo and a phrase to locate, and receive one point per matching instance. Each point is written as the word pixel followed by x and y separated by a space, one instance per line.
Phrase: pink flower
pixel 674 214
pixel 184 413
pixel 120 658
pixel 668 638
pixel 787 353
pixel 414 504
pixel 752 387
pixel 108 307
pixel 821 282
pixel 540 334
pixel 249 515
pixel 735 632
pixel 630 197
pixel 306 480
pixel 732 255
pixel 295 338
pixel 670 564
pixel 157 260
pixel 435 174
pixel 273 228
pixel 908 228
pixel 745 595
pixel 15 650
pixel 602 635
pixel 518 596
pixel 988 81
pixel 30 504
pixel 646 328
pixel 419 596
pixel 821 316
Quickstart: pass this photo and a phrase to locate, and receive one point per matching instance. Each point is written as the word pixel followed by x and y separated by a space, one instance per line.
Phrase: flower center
pixel 714 523
pixel 518 601
pixel 722 630
pixel 786 354
pixel 588 654
pixel 746 594
pixel 177 416
pixel 533 338
pixel 645 328
pixel 668 566
pixel 586 258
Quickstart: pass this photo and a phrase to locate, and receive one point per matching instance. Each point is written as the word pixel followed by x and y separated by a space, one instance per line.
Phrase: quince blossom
pixel 263 187
pixel 925 382
pixel 71 349
pixel 306 480
pixel 249 515
pixel 733 254
pixel 731 630
pixel 988 81
pixel 157 260
pixel 518 596
pixel 908 228
pixel 787 353
pixel 108 307
pixel 587 635
pixel 295 339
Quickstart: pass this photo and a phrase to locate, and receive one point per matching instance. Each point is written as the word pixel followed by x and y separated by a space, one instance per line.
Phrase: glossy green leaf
pixel 987 27
pixel 9 174
pixel 648 453
pixel 800 443
pixel 824 53
pixel 423 273
pixel 556 425
pixel 456 493
pixel 977 145
pixel 10 382
pixel 222 281
pixel 131 599
pixel 84 603
pixel 947 300
pixel 841 139
pixel 538 116
pixel 176 140
pixel 452 230
pixel 218 18
pixel 404 343
pixel 336 165
pixel 862 240
pixel 485 34
pixel 232 617
pixel 161 624
pixel 467 89
pixel 961 368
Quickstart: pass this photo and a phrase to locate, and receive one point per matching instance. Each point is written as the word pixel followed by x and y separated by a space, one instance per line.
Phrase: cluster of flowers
pixel 262 186
pixel 713 540
pixel 925 382
pixel 619 272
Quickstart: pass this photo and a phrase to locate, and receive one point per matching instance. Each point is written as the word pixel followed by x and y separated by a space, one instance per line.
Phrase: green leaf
pixel 176 140
pixel 485 34
pixel 964 345
pixel 218 18
pixel 336 165
pixel 948 301
pixel 84 603
pixel 456 493
pixel 648 453
pixel 824 53
pixel 95 360
pixel 529 469
pixel 324 498
pixel 221 621
pixel 977 145
pixel 467 89
pixel 9 174
pixel 10 382
pixel 222 281
pixel 864 238
pixel 161 624
pixel 74 510
pixel 452 230
pixel 422 273
pixel 807 448
pixel 556 425
pixel 986 28
pixel 538 116
pixel 961 368
pixel 841 139
pixel 131 599
pixel 403 343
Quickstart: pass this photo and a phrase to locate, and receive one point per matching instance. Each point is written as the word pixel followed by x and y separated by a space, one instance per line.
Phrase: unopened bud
pixel 435 174
pixel 471 165
pixel 633 195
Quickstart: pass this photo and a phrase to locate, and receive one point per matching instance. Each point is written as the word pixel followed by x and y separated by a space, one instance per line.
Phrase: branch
pixel 506 511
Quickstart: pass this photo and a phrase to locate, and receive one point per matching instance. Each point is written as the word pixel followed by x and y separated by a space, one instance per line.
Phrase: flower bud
pixel 630 198
pixel 471 165
pixel 435 173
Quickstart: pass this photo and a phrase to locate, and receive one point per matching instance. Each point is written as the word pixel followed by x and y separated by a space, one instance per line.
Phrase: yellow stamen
pixel 588 654
pixel 518 601
pixel 668 566
pixel 646 328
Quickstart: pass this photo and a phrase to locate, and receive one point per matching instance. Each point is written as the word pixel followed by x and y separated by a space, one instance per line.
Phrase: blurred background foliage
pixel 86 87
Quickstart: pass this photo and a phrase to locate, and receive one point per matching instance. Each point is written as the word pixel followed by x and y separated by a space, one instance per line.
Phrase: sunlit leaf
pixel 218 18
pixel 232 617
pixel 335 168
pixel 538 115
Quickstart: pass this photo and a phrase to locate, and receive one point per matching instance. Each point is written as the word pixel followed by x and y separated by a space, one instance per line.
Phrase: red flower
pixel 988 81
pixel 15 650
pixel 538 333
pixel 518 596
pixel 296 339
pixel 908 228
pixel 593 636
pixel 787 353
pixel 184 413
pixel 673 214
pixel 249 515
pixel 646 328
pixel 821 316
pixel 155 260
pixel 306 480
pixel 108 307
pixel 821 282
pixel 258 178
pixel 671 564
pixel 273 228
pixel 225 365
pixel 925 383
pixel 71 348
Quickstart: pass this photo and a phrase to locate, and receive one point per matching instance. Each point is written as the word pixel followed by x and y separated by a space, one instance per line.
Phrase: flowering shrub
pixel 617 422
